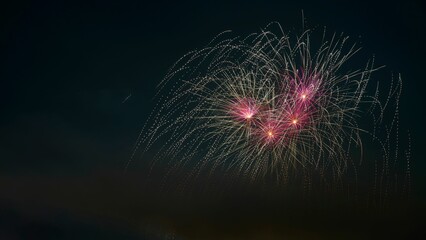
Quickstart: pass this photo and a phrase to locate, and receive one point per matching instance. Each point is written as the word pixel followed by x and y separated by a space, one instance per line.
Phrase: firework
pixel 265 104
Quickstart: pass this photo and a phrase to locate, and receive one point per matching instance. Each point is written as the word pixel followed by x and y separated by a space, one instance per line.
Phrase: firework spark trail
pixel 263 104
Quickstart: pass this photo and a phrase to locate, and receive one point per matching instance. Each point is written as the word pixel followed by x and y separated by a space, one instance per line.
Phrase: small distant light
pixel 270 134
pixel 304 96
pixel 294 121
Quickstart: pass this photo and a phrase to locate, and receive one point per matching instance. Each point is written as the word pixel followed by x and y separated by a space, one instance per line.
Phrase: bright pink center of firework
pixel 303 86
pixel 298 120
pixel 244 109
pixel 271 131
pixel 305 94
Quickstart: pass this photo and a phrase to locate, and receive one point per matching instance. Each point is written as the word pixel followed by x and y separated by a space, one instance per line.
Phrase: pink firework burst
pixel 305 87
pixel 270 131
pixel 244 110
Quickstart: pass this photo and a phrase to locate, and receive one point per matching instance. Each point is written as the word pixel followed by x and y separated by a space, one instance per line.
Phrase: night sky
pixel 68 125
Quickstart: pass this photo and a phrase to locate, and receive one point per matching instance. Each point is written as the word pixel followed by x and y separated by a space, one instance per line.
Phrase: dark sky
pixel 66 68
